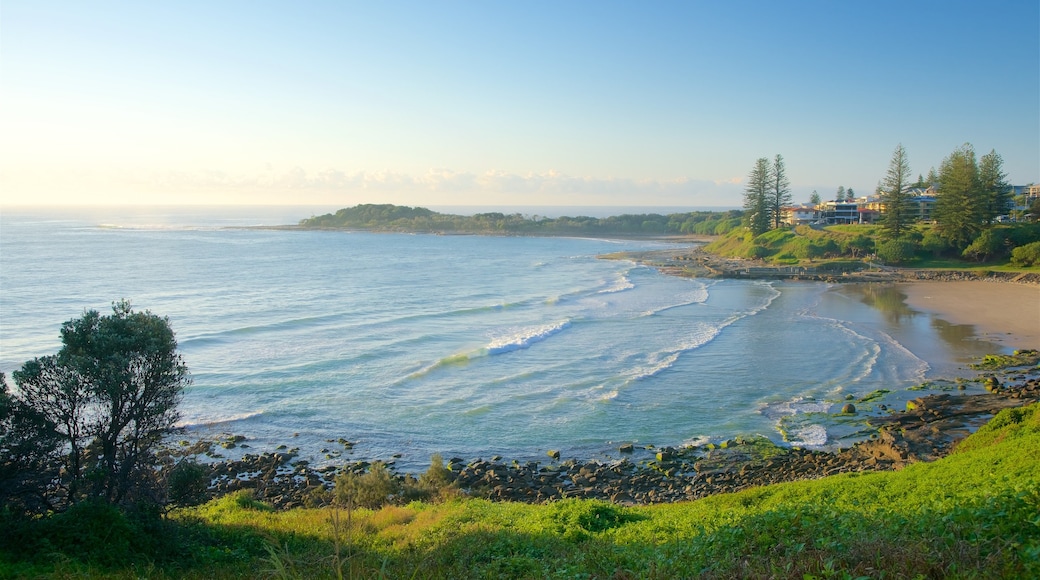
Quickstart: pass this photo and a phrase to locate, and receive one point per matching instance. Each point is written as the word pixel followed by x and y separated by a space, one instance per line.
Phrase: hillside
pixel 394 218
pixel 972 514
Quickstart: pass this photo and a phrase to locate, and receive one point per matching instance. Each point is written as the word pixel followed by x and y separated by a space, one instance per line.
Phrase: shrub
pixel 188 482
pixel 989 243
pixel 436 484
pixel 91 531
pixel 896 251
pixel 371 490
pixel 756 252
pixel 934 243
pixel 1027 255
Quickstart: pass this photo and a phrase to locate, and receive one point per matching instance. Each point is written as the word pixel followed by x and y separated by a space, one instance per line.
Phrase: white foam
pixel 524 337
pixel 621 283
pixel 794 407
pixel 808 436
pixel 212 422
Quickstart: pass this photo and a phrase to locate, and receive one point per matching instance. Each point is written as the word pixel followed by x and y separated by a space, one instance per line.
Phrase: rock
pixel 626 448
pixel 553 453
pixel 848 409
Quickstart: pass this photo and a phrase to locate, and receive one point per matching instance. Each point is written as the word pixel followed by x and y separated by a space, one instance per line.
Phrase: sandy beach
pixel 1005 313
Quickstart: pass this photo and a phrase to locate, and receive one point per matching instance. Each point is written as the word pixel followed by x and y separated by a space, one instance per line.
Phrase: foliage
pixel 108 397
pixel 894 188
pixel 779 191
pixel 994 191
pixel 29 455
pixel 407 219
pixel 187 483
pixel 1027 255
pixel 989 243
pixel 896 251
pixel 959 208
pixel 371 489
pixel 756 198
pixel 1012 425
pixel 971 514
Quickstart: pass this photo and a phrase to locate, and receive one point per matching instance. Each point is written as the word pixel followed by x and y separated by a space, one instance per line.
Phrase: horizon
pixel 580 105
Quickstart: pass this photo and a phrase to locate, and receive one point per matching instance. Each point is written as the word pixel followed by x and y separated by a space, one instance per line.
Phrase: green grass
pixel 974 514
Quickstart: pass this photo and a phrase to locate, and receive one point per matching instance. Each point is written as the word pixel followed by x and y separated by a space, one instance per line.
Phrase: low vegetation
pixel 1015 246
pixel 972 514
pixel 394 218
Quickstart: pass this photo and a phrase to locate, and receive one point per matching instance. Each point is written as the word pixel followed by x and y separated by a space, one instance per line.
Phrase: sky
pixel 505 104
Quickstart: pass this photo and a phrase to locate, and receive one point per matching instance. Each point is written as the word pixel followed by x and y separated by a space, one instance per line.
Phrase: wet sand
pixel 1001 312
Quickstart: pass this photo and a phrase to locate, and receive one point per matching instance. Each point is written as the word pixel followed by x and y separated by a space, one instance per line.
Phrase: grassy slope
pixel 975 513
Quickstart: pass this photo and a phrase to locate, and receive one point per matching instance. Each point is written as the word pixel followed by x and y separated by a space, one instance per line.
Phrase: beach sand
pixel 1004 313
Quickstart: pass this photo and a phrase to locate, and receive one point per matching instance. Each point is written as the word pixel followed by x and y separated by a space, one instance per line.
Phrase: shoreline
pixel 1000 312
pixel 928 429
pixel 893 438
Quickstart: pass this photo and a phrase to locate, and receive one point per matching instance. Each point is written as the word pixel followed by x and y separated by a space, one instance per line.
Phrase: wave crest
pixel 525 337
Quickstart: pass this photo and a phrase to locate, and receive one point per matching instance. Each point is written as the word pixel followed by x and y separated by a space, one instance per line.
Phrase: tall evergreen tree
pixel 756 198
pixel 814 198
pixel 895 196
pixel 993 187
pixel 840 195
pixel 958 208
pixel 780 191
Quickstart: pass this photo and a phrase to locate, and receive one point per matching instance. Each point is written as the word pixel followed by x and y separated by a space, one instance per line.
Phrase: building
pixel 839 212
pixel 800 215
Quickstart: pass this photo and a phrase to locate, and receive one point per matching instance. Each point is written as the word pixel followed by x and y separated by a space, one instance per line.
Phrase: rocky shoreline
pixel 926 430
pixel 695 262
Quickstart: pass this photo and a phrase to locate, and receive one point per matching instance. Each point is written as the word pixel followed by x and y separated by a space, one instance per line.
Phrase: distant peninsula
pixel 395 218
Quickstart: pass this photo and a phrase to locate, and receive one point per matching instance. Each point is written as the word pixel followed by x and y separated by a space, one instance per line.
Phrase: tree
pixel 756 198
pixel 850 195
pixel 958 209
pixel 780 191
pixel 109 395
pixel 815 198
pixel 29 454
pixel 895 196
pixel 840 196
pixel 993 188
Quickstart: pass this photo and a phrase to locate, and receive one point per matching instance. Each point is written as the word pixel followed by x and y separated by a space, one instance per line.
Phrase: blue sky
pixel 501 104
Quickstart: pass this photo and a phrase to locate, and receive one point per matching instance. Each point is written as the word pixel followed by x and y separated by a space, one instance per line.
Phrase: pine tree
pixel 895 196
pixel 993 187
pixel 780 191
pixel 756 198
pixel 959 208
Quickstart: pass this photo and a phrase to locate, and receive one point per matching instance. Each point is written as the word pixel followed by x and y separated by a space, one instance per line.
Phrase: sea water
pixel 471 346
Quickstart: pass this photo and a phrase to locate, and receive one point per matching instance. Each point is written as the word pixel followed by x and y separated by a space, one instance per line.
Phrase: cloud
pixel 437 186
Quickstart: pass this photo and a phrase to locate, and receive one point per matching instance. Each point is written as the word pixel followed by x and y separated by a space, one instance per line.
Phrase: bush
pixel 896 251
pixel 91 531
pixel 1027 255
pixel 756 252
pixel 988 244
pixel 436 484
pixel 188 483
pixel 371 490
pixel 934 243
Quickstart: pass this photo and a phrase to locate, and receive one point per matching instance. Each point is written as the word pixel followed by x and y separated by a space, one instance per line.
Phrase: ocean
pixel 468 346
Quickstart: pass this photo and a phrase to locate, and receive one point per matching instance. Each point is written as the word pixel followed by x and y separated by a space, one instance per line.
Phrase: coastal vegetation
pixel 394 218
pixel 112 391
pixel 1014 245
pixel 85 425
pixel 971 197
pixel 969 515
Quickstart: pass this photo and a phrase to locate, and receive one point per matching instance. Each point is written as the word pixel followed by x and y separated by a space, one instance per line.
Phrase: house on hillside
pixel 839 212
pixel 800 215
